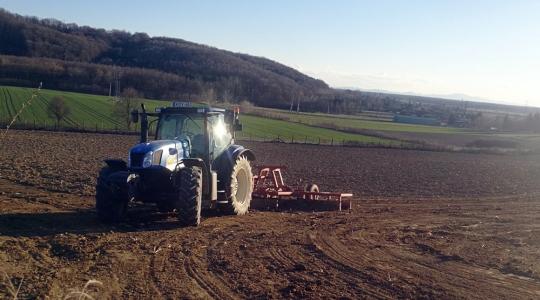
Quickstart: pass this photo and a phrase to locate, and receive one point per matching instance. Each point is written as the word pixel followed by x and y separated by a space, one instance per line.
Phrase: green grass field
pixel 264 128
pixel 353 122
pixel 89 111
pixel 93 111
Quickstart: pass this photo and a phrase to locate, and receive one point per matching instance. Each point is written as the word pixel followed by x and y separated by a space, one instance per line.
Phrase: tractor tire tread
pixel 234 205
pixel 188 204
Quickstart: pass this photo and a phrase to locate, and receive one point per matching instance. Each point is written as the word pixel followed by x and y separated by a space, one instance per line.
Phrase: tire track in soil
pixel 331 254
pixel 462 274
pixel 164 272
pixel 155 282
pixel 194 268
pixel 283 259
pixel 218 241
pixel 430 267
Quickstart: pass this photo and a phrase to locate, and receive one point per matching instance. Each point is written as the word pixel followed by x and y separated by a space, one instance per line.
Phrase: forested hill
pixel 81 58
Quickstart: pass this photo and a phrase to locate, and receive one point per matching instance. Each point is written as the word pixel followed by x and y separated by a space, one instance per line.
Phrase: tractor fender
pixel 190 162
pixel 226 160
pixel 235 151
pixel 224 163
pixel 244 152
pixel 116 164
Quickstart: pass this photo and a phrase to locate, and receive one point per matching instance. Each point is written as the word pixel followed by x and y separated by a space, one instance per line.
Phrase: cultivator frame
pixel 269 184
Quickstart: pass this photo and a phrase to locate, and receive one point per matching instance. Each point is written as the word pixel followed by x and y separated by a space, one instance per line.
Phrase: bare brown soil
pixel 485 141
pixel 424 225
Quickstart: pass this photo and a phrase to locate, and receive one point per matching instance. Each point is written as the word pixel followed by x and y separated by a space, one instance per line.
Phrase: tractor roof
pixel 190 110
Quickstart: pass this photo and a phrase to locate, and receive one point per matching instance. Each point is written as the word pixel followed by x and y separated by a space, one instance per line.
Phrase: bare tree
pixel 123 107
pixel 227 96
pixel 297 96
pixel 58 109
pixel 209 96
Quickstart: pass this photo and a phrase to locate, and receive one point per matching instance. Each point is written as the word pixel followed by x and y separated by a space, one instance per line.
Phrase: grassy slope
pixel 87 110
pixel 93 111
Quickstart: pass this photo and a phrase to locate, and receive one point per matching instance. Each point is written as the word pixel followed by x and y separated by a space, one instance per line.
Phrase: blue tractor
pixel 192 164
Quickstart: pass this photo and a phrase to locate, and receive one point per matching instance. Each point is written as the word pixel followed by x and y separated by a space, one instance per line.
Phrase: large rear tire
pixel 165 206
pixel 111 195
pixel 239 188
pixel 189 201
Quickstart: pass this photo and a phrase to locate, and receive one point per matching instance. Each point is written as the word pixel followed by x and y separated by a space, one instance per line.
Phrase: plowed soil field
pixel 423 225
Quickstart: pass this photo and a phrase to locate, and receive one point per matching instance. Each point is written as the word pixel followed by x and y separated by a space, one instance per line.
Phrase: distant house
pixel 416 120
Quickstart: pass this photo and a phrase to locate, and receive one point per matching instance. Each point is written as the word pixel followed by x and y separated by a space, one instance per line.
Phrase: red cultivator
pixel 269 184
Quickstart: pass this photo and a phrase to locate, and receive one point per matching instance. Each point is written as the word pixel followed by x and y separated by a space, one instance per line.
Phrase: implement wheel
pixel 312 188
pixel 239 188
pixel 189 202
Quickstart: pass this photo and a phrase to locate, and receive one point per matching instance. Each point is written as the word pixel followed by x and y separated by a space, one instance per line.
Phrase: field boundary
pixel 33 126
pixel 420 146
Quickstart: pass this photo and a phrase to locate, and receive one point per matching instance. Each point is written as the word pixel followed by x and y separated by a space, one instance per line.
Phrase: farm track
pixel 424 225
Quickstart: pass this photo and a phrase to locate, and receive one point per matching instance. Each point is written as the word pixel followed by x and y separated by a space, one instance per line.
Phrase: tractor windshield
pixel 178 126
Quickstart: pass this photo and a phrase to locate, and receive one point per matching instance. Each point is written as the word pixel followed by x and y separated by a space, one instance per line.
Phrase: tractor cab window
pixel 220 137
pixel 174 127
pixel 182 127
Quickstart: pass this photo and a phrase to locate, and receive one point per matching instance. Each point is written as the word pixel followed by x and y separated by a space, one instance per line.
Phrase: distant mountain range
pixel 453 96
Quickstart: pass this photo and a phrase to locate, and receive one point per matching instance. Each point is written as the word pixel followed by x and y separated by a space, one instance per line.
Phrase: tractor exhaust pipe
pixel 144 125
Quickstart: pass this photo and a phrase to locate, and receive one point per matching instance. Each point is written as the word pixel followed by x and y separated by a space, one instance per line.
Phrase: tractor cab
pixel 205 130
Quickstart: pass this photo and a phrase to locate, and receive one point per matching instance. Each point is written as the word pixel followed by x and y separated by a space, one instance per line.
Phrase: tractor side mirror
pixel 135 116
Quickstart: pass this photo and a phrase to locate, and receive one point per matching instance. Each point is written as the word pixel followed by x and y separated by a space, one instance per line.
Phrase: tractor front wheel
pixel 239 188
pixel 189 201
pixel 111 195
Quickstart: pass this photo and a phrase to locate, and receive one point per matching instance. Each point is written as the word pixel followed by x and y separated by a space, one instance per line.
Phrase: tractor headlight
pixel 147 160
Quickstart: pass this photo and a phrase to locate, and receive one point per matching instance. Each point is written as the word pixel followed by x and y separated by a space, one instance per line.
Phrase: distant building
pixel 416 120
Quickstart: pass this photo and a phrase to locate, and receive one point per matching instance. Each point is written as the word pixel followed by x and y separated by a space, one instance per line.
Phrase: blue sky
pixel 487 49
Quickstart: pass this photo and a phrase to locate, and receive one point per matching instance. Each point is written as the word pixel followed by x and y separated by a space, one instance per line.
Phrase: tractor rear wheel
pixel 111 195
pixel 189 202
pixel 165 206
pixel 239 188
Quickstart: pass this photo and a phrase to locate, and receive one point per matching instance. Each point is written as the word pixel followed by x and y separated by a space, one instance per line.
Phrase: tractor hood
pixel 164 153
pixel 153 146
